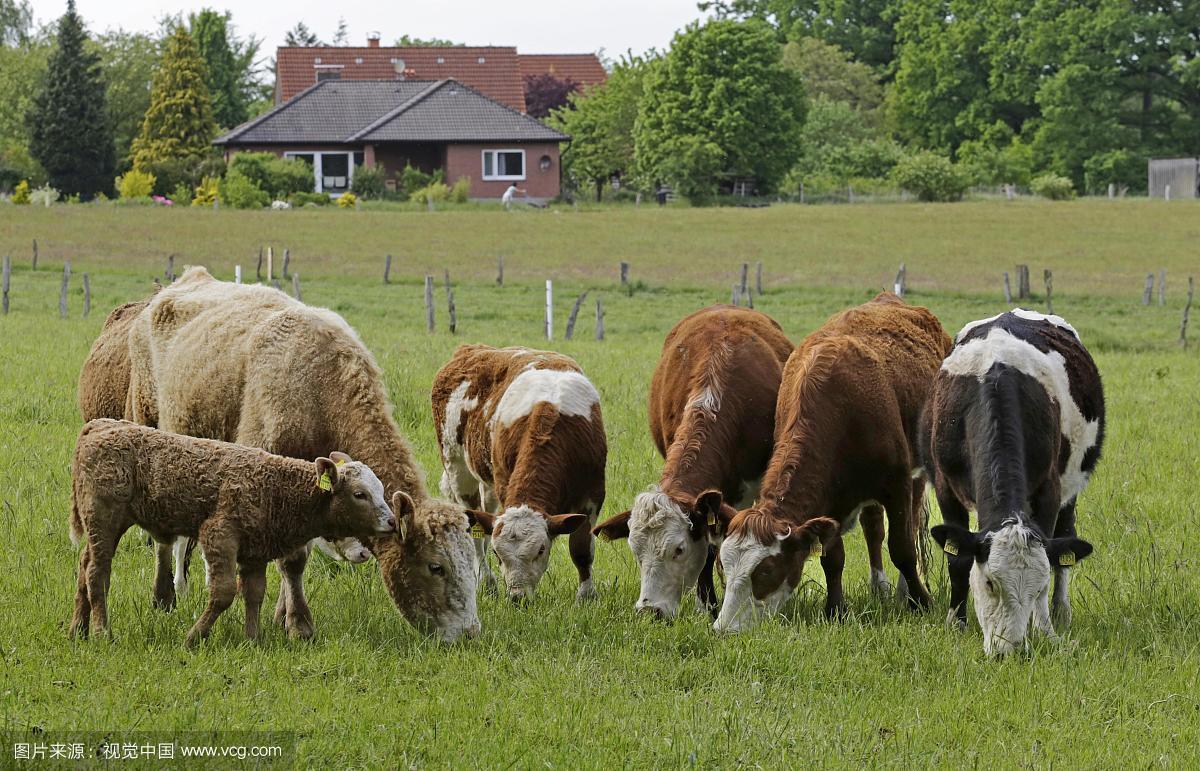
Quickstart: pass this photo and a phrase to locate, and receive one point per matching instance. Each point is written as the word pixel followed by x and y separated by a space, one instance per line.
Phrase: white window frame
pixel 502 177
pixel 316 156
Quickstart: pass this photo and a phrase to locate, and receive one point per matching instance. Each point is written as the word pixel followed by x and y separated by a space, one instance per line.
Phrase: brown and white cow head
pixel 670 540
pixel 763 560
pixel 521 538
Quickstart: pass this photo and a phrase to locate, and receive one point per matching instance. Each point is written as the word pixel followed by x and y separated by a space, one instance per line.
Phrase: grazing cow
pixel 1013 429
pixel 845 438
pixel 712 411
pixel 521 437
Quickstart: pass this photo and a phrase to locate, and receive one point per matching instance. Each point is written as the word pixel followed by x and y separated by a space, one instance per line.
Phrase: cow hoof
pixel 586 592
pixel 164 599
pixel 300 628
pixel 1062 618
pixel 836 611
pixel 880 586
pixel 954 623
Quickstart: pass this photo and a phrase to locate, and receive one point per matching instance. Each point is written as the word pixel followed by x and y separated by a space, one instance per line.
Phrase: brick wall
pixel 467 161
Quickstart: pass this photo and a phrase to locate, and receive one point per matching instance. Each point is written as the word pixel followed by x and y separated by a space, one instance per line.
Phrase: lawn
pixel 555 684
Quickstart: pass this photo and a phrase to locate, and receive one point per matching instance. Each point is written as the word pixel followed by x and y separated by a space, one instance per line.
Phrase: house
pixel 337 124
pixel 497 72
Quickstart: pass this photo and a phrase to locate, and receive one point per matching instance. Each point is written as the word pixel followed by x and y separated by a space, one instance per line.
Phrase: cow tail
pixel 76 521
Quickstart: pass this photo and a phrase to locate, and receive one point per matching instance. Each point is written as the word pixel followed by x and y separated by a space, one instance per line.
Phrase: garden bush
pixel 45 195
pixel 20 194
pixel 931 177
pixel 240 192
pixel 461 191
pixel 207 192
pixel 306 199
pixel 347 200
pixel 135 184
pixel 412 180
pixel 369 182
pixel 278 177
pixel 437 191
pixel 1053 186
pixel 182 194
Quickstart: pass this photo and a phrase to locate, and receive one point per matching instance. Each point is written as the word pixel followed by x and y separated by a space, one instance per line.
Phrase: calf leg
pixel 297 617
pixel 901 546
pixel 583 550
pixel 254 586
pixel 488 502
pixel 164 582
pixel 833 561
pixel 958 566
pixel 871 520
pixel 83 608
pixel 101 547
pixel 182 550
pixel 221 553
pixel 706 592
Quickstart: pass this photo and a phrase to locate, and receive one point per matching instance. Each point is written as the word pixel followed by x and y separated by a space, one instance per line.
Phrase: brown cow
pixel 521 436
pixel 845 438
pixel 712 412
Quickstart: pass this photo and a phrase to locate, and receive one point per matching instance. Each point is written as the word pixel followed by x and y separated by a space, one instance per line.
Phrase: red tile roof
pixel 492 70
pixel 584 69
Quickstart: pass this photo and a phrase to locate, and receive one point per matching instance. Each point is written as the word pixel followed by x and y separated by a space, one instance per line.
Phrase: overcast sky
pixel 533 26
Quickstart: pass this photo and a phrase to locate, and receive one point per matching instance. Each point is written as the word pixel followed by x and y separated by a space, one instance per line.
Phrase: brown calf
pixel 845 438
pixel 521 437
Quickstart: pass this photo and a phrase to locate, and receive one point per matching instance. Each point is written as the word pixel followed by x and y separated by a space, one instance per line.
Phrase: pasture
pixel 555 684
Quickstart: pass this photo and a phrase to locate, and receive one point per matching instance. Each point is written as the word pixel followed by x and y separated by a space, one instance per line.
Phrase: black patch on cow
pixel 1064 455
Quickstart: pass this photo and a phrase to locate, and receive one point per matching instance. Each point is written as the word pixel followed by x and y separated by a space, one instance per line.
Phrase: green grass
pixel 595 686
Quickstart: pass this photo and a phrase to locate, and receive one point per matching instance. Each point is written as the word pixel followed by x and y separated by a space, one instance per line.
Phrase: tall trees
pixel 22 65
pixel 16 22
pixel 720 106
pixel 229 64
pixel 545 92
pixel 69 130
pixel 301 36
pixel 179 124
pixel 128 60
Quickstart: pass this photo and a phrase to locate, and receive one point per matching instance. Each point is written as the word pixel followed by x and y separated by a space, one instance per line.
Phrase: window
pixel 328 75
pixel 333 172
pixel 504 164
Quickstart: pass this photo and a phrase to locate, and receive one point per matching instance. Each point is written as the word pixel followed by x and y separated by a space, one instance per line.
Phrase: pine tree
pixel 69 130
pixel 179 124
pixel 210 30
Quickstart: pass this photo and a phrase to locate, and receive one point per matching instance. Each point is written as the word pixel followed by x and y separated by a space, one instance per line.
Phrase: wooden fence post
pixel 549 309
pixel 169 276
pixel 500 271
pixel 452 311
pixel 87 296
pixel 1186 308
pixel 735 296
pixel 296 286
pixel 745 277
pixel 387 267
pixel 624 274
pixel 7 278
pixel 62 292
pixel 1049 278
pixel 1149 290
pixel 749 297
pixel 429 303
pixel 1007 289
pixel 1162 287
pixel 258 268
pixel 901 282
pixel 237 274
pixel 574 312
pixel 275 283
pixel 758 278
pixel 287 259
pixel 599 320
pixel 270 263
pixel 35 254
pixel 1022 282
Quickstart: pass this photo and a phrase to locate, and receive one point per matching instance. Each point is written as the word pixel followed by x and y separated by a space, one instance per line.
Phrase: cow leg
pixel 182 556
pixel 958 567
pixel 871 520
pixel 583 549
pixel 488 502
pixel 254 587
pixel 1061 604
pixel 833 560
pixel 164 581
pixel 83 608
pixel 901 547
pixel 101 548
pixel 297 617
pixel 706 591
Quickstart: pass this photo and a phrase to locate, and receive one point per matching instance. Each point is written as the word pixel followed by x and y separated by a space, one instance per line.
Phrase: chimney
pixel 372 40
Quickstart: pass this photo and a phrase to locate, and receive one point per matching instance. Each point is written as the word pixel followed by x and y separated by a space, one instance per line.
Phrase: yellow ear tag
pixel 817 550
pixel 324 482
pixel 951 548
pixel 477 531
pixel 340 463
pixel 1066 559
pixel 712 519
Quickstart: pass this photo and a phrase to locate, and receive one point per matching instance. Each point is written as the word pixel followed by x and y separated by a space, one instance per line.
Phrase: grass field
pixel 593 686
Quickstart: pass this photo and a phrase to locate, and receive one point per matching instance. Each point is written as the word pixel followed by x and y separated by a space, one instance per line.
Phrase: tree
pixel 69 130
pixel 225 78
pixel 432 42
pixel 128 60
pixel 16 22
pixel 720 106
pixel 22 69
pixel 830 72
pixel 179 124
pixel 301 36
pixel 341 37
pixel 600 122
pixel 545 92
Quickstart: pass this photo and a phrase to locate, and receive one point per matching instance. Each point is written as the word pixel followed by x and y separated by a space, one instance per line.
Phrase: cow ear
pixel 340 457
pixel 561 524
pixel 811 537
pixel 713 522
pixel 327 474
pixel 481 522
pixel 402 504
pixel 709 502
pixel 613 529
pixel 955 540
pixel 1065 552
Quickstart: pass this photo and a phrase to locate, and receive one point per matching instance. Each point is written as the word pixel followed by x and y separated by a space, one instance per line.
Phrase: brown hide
pixel 104 379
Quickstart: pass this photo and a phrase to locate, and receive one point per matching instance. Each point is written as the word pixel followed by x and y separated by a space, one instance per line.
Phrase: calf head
pixel 344 550
pixel 357 506
pixel 429 568
pixel 763 560
pixel 669 538
pixel 1010 577
pixel 521 538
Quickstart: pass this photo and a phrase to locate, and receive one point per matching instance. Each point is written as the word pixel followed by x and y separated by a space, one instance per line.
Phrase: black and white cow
pixel 1013 429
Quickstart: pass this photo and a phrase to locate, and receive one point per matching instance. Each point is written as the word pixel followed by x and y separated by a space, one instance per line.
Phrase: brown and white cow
pixel 712 413
pixel 521 437
pixel 845 438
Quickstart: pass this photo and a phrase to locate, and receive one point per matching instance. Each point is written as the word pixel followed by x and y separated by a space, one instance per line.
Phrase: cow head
pixel 669 538
pixel 1010 577
pixel 521 538
pixel 357 505
pixel 429 567
pixel 763 560
pixel 344 550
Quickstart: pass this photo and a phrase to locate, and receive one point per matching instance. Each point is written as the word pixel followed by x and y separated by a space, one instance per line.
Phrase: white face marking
pixel 1057 321
pixel 1010 590
pixel 740 555
pixel 462 616
pixel 523 548
pixel 369 484
pixel 572 393
pixel 976 357
pixel 669 558
pixel 343 550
